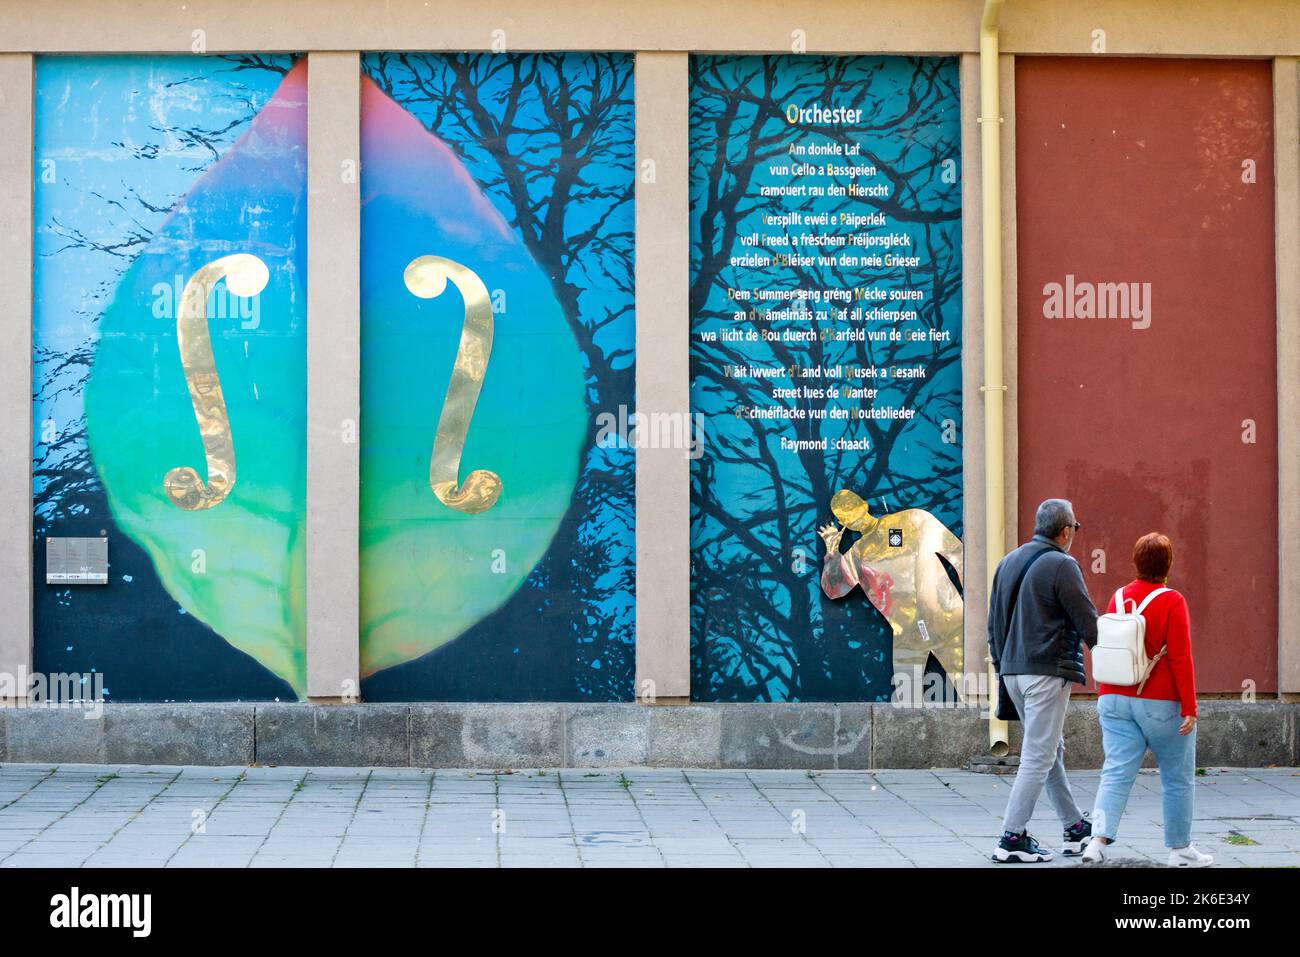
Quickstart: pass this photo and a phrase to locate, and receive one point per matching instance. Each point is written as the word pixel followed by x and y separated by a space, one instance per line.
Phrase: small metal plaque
pixel 76 561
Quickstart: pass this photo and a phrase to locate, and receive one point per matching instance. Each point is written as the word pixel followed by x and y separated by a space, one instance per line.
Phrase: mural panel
pixel 497 523
pixel 826 372
pixel 169 371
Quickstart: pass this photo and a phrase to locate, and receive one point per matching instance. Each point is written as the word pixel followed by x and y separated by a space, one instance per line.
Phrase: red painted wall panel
pixel 1131 171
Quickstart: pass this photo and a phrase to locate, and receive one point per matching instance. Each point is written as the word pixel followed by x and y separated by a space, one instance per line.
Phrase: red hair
pixel 1153 554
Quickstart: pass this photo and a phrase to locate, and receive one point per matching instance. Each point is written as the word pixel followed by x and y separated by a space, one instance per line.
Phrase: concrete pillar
pixel 1010 305
pixel 333 373
pixel 975 586
pixel 1286 138
pixel 15 371
pixel 663 504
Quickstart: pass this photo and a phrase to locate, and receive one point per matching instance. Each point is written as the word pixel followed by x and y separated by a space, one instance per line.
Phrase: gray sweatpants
pixel 1041 701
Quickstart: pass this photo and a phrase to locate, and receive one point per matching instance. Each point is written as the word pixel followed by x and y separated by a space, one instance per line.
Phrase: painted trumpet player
pixel 909 564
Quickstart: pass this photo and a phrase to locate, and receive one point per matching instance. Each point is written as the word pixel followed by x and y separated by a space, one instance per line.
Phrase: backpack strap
pixel 1015 589
pixel 1119 600
pixel 1163 648
pixel 1020 580
pixel 1146 601
pixel 1151 667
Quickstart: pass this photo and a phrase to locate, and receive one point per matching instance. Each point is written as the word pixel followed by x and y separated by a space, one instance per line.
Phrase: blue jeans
pixel 1129 726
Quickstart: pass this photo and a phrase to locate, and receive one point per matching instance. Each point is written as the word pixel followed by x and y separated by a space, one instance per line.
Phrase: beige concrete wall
pixel 1286 133
pixel 333 373
pixel 16 365
pixel 975 580
pixel 663 506
pixel 1131 27
pixel 976 584
pixel 1010 311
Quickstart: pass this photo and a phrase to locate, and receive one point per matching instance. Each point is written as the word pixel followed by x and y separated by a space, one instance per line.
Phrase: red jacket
pixel 1172 679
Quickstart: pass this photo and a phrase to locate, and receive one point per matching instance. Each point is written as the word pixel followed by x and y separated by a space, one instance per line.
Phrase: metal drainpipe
pixel 994 388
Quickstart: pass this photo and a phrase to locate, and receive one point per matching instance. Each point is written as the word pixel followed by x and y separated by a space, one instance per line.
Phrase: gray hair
pixel 1053 517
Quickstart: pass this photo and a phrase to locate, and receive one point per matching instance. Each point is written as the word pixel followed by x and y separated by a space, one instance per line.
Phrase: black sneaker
pixel 1076 837
pixel 1020 849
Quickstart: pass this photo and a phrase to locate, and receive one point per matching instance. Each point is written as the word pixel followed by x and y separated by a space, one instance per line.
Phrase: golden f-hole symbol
pixel 245 275
pixel 427 277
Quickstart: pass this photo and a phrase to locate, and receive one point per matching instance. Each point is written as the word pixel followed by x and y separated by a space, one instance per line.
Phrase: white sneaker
pixel 1094 853
pixel 1189 856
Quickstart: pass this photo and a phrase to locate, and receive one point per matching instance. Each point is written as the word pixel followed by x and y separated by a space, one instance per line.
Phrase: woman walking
pixel 1159 714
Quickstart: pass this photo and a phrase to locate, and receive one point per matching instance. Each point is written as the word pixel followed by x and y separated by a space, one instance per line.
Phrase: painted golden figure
pixel 898 561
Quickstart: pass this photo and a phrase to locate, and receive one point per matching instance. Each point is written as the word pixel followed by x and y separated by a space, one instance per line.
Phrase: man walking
pixel 1040 616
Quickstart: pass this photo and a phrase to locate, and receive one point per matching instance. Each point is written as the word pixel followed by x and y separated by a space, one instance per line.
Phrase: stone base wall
pixel 542 735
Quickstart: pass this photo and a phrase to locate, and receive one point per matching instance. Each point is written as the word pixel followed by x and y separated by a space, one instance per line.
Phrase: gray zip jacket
pixel 1054 616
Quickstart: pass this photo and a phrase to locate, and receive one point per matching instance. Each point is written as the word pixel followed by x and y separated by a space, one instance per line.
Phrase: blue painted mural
pixel 497 328
pixel 826 364
pixel 169 370
pixel 497 529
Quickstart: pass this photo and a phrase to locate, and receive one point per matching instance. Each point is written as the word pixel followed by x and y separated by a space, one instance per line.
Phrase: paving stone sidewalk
pixel 132 816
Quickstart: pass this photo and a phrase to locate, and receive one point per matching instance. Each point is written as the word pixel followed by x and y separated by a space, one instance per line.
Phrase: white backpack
pixel 1120 657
